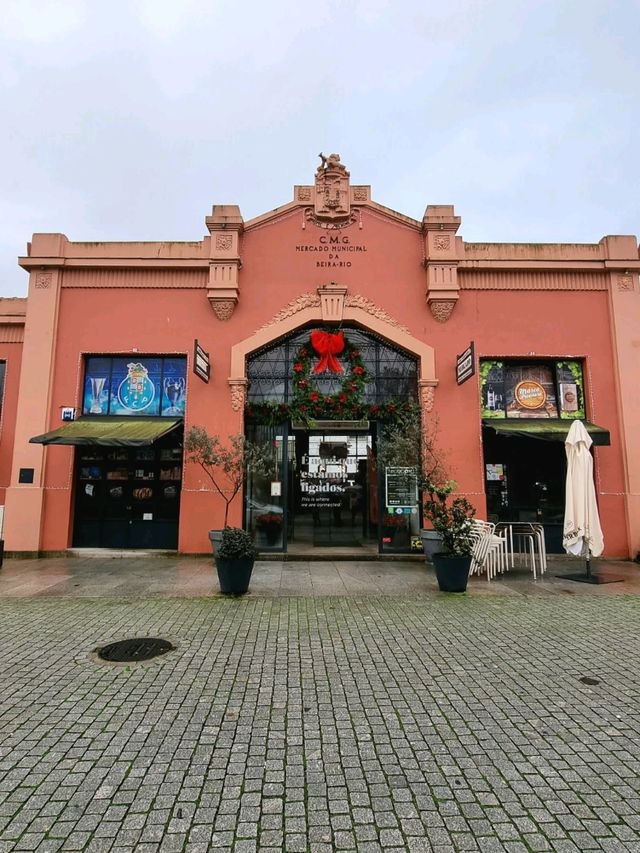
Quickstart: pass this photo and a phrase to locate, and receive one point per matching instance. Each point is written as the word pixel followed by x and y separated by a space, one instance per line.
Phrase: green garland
pixel 309 404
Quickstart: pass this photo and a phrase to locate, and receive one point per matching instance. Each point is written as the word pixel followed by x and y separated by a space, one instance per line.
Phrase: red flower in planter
pixel 298 367
pixel 358 370
pixel 343 398
pixel 314 396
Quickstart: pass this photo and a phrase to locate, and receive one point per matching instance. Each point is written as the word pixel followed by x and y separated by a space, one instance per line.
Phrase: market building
pixel 309 328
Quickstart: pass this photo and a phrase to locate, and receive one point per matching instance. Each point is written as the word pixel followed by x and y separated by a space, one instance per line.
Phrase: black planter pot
pixel 234 574
pixel 452 571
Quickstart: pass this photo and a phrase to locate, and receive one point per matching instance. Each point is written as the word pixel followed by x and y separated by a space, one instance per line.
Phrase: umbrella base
pixel 595 579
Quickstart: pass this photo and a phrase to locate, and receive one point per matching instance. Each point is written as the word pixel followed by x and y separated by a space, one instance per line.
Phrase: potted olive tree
pixel 234 560
pixel 410 442
pixel 227 467
pixel 451 517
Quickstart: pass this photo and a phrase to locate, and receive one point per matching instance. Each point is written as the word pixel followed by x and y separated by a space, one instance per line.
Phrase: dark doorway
pixel 525 481
pixel 128 497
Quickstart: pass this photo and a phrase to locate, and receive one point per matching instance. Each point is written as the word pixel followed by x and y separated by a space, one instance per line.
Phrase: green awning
pixel 549 429
pixel 110 432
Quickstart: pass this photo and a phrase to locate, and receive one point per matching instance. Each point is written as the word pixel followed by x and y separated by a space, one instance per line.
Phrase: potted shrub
pixel 234 558
pixel 451 518
pixel 226 466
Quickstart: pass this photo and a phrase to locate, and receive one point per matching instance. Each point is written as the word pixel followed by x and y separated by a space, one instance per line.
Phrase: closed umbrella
pixel 582 533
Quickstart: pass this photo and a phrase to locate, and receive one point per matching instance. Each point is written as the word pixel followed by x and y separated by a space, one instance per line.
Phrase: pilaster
pixel 624 300
pixel 439 226
pixel 24 501
pixel 225 226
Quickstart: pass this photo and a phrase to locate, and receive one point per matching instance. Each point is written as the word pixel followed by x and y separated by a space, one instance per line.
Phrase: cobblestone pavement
pixel 322 724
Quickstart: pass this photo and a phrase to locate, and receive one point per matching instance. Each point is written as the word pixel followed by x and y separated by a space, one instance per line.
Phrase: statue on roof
pixel 331 164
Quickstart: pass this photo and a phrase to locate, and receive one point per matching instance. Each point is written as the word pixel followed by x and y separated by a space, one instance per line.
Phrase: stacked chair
pixel 490 551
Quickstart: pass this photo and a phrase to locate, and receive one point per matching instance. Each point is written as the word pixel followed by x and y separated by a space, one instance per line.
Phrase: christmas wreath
pixel 320 357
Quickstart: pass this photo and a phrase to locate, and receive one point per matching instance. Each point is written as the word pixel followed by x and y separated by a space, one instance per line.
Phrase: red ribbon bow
pixel 328 345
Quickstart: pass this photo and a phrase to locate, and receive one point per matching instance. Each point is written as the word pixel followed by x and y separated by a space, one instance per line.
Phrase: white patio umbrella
pixel 582 534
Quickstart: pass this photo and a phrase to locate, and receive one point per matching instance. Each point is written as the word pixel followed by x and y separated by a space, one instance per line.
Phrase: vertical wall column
pixel 624 300
pixel 25 496
pixel 439 226
pixel 225 226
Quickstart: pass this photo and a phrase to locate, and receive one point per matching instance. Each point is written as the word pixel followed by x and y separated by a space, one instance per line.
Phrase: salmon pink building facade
pixel 311 329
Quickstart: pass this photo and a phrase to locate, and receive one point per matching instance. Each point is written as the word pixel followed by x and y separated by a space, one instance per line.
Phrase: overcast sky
pixel 128 119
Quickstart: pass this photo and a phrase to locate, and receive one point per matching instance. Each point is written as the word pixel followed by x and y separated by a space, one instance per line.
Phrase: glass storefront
pixel 327 489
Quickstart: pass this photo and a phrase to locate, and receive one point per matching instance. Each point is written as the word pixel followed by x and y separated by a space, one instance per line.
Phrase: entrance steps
pixel 118 553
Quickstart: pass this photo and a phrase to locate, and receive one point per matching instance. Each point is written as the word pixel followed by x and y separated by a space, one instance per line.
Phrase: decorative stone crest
pixel 625 282
pixel 332 202
pixel 442 242
pixel 304 193
pixel 442 309
pixel 43 280
pixel 360 194
pixel 223 308
pixel 224 241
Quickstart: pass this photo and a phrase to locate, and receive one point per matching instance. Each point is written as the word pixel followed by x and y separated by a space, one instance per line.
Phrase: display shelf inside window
pixel 173 472
pixel 119 473
pixel 90 472
pixel 144 474
pixel 171 454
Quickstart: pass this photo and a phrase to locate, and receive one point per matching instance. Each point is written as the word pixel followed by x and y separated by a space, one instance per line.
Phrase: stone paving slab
pixel 149 577
pixel 426 723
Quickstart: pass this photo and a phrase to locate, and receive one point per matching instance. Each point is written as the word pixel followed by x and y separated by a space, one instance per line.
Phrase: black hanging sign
pixel 465 365
pixel 201 365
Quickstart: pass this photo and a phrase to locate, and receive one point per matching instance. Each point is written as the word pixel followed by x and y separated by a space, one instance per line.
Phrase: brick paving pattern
pixel 322 724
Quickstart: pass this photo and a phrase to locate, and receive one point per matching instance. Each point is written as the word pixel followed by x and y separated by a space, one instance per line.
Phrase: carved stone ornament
pixel 238 395
pixel 360 194
pixel 307 300
pixel 332 201
pixel 359 301
pixel 312 300
pixel 442 242
pixel 625 282
pixel 304 193
pixel 427 397
pixel 223 308
pixel 224 241
pixel 442 309
pixel 43 280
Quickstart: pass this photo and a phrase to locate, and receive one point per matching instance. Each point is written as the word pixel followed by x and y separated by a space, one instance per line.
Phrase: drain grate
pixel 139 648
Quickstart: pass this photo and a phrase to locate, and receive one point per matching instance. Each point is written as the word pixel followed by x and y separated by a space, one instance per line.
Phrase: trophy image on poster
pixel 97 387
pixel 174 390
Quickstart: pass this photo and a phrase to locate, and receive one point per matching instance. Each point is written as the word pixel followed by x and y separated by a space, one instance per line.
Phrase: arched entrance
pixel 323 398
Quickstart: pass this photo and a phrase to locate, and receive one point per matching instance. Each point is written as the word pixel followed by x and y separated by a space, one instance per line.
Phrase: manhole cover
pixel 140 648
pixel 586 679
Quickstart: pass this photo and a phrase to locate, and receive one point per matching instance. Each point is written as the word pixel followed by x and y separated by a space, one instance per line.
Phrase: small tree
pixel 409 442
pixel 227 466
pixel 451 520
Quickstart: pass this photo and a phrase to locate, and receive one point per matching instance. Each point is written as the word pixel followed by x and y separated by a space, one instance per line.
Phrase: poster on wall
pixel 531 390
pixel 128 386
pixel 570 389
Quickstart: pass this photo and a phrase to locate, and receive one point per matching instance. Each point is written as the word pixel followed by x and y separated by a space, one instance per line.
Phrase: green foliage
pixel 451 518
pixel 227 466
pixel 309 404
pixel 236 544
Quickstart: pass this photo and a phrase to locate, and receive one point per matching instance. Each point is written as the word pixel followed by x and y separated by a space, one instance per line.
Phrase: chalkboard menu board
pixel 401 486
